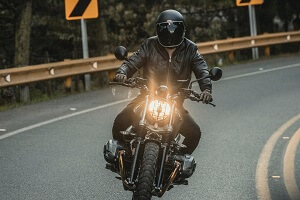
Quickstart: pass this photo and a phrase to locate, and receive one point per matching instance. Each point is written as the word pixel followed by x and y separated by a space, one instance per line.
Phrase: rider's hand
pixel 121 78
pixel 206 96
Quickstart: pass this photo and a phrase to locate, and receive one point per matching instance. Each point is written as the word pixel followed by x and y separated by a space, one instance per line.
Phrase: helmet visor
pixel 170 33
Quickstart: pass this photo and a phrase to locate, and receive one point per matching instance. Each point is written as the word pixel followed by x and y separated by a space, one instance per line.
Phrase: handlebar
pixel 139 83
pixel 120 83
pixel 195 96
pixel 131 82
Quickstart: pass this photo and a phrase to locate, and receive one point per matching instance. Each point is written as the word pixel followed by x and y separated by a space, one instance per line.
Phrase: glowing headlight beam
pixel 159 110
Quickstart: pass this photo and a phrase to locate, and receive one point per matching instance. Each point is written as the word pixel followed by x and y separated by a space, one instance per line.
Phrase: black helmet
pixel 170 28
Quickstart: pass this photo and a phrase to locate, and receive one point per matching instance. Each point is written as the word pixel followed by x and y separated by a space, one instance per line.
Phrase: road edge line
pixel 261 72
pixel 289 167
pixel 61 118
pixel 261 178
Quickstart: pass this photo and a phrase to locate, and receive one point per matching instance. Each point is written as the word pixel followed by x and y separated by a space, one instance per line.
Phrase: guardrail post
pixel 68 84
pixel 24 93
pixel 68 81
pixel 267 51
pixel 231 56
pixel 111 74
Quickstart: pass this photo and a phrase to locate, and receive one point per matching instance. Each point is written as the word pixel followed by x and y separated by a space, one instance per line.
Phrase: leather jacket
pixel 158 66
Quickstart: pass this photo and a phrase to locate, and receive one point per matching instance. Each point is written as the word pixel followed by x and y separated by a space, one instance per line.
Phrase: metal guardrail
pixel 248 42
pixel 24 75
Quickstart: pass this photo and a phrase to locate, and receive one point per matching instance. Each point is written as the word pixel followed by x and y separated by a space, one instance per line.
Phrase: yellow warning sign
pixel 248 2
pixel 81 9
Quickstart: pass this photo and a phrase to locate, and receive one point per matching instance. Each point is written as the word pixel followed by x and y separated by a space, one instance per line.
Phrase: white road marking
pixel 276 177
pixel 261 72
pixel 73 109
pixel 60 118
pixel 261 178
pixel 289 167
pixel 126 100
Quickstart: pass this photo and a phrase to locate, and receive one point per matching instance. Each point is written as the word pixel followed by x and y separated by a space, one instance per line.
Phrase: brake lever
pixel 114 83
pixel 198 96
pixel 214 105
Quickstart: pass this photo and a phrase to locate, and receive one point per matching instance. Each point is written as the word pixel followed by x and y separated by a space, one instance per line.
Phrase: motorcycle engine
pixel 188 165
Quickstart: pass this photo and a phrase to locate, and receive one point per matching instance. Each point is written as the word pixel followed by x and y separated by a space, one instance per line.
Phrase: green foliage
pixel 128 23
pixel 53 38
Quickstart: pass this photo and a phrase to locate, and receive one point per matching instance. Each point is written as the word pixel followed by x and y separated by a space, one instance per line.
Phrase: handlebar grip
pixel 115 83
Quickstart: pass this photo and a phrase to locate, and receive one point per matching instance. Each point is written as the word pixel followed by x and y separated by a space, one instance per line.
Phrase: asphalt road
pixel 53 150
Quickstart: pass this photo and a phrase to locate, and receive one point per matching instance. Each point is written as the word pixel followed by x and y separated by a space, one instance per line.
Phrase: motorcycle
pixel 151 160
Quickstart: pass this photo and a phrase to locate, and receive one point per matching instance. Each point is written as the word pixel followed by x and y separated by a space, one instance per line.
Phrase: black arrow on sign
pixel 245 1
pixel 80 8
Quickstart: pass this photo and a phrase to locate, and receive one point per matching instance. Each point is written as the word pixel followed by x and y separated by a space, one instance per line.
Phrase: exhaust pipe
pixel 170 179
pixel 126 185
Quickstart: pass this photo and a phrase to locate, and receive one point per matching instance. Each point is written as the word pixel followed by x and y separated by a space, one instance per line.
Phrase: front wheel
pixel 147 172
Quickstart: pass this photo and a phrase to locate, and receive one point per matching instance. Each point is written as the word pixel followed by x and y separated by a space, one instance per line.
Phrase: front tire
pixel 147 172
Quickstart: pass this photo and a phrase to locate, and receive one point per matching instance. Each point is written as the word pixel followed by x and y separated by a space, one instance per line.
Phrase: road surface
pixel 249 147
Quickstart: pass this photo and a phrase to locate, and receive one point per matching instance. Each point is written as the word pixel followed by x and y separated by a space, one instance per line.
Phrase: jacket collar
pixel 164 52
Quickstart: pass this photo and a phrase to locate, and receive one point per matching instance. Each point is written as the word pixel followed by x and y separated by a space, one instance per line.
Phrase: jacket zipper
pixel 168 76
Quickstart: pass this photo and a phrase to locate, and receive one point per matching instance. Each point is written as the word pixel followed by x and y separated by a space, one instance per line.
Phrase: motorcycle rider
pixel 165 58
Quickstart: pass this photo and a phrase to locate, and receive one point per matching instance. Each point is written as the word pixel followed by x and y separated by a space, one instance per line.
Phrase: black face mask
pixel 170 33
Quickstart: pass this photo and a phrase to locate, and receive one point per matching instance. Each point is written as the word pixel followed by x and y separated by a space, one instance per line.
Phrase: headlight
pixel 159 110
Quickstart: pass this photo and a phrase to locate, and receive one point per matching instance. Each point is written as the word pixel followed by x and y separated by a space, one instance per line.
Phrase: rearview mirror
pixel 215 73
pixel 121 53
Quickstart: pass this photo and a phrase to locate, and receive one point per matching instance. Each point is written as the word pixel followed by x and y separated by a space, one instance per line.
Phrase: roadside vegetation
pixel 36 32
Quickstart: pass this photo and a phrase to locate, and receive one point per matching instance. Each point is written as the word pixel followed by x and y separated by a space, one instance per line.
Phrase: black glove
pixel 121 77
pixel 205 96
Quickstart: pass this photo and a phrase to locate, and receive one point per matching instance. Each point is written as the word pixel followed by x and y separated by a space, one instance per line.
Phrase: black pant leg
pixel 191 131
pixel 189 128
pixel 122 121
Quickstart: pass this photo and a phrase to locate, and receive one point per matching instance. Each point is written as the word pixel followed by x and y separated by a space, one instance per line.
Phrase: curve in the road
pixel 289 167
pixel 262 186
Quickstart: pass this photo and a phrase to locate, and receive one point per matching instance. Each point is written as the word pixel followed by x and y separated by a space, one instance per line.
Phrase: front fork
pixel 162 167
pixel 128 183
pixel 160 189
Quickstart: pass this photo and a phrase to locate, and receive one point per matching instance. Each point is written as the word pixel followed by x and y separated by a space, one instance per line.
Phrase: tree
pixel 35 32
pixel 22 17
pixel 7 36
pixel 22 33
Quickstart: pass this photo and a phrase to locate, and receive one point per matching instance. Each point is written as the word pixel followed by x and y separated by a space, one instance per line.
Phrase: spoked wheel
pixel 147 172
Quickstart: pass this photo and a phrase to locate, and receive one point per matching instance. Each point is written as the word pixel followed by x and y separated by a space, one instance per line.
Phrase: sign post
pixel 85 49
pixel 252 20
pixel 253 30
pixel 82 9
